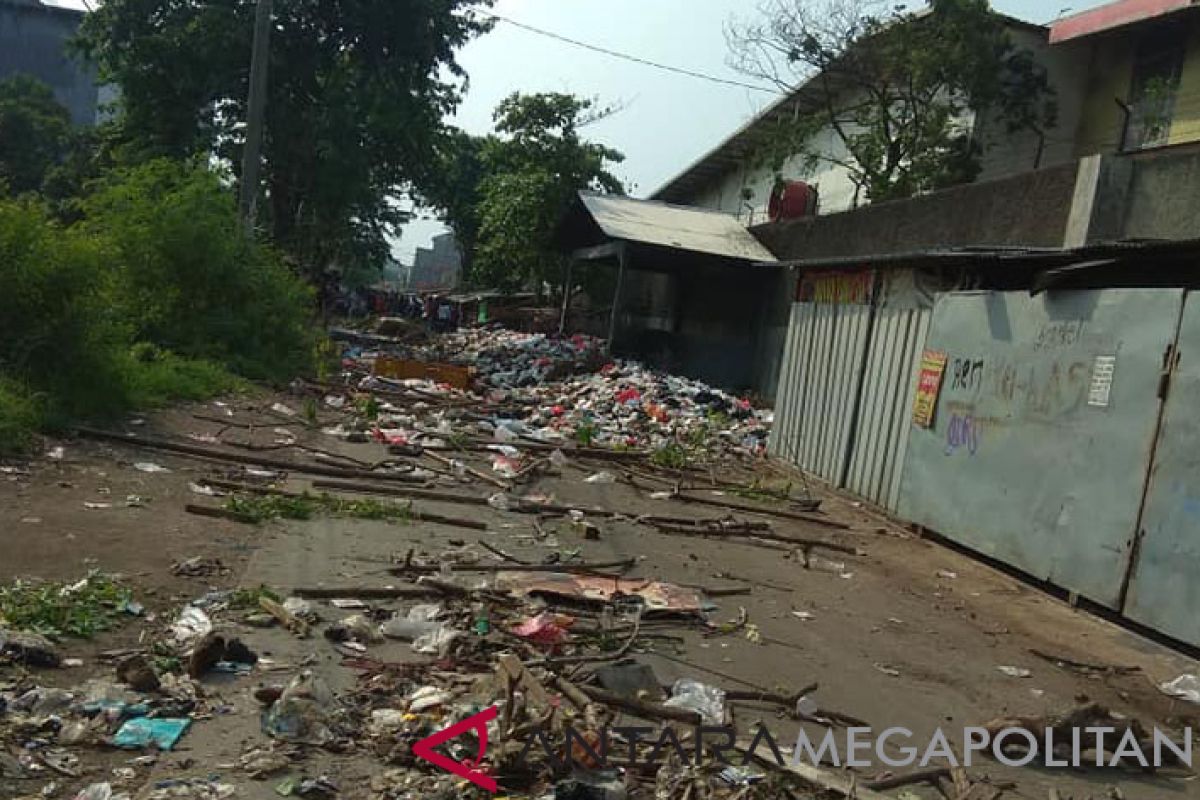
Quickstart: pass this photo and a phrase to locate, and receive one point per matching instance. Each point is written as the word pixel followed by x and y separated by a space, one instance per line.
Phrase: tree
pixel 894 91
pixel 35 133
pixel 357 93
pixel 504 194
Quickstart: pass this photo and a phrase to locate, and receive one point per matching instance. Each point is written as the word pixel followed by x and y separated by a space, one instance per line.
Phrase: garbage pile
pixel 566 390
pixel 518 679
pixel 507 359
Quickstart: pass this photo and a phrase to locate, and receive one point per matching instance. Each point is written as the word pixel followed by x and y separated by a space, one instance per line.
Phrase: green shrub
pixel 191 281
pixel 20 416
pixel 156 377
pixel 59 332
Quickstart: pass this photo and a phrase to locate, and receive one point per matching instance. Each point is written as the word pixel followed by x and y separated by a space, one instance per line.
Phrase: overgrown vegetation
pixel 264 508
pixel 889 96
pixel 671 455
pixel 504 194
pixel 149 293
pixel 356 97
pixel 82 609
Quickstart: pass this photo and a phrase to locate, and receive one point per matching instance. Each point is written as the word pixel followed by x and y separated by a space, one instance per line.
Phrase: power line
pixel 635 59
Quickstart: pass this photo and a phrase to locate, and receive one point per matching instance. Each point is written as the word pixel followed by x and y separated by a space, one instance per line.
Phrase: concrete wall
pixel 1029 209
pixel 1163 200
pixel 33 41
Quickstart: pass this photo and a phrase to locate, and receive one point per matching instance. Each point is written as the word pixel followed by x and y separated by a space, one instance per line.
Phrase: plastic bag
pixel 707 701
pixel 302 714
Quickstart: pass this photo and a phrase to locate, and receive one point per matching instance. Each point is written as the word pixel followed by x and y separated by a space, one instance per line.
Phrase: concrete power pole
pixel 256 107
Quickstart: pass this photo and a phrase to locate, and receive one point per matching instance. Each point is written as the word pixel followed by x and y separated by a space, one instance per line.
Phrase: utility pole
pixel 256 107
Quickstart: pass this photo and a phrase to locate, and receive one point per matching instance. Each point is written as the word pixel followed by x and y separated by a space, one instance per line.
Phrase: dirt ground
pixel 907 633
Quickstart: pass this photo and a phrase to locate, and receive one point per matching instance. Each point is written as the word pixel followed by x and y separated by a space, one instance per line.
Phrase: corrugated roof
pixel 1113 15
pixel 684 228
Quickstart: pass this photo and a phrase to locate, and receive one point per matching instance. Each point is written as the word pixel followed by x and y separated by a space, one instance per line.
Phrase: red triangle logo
pixel 469 770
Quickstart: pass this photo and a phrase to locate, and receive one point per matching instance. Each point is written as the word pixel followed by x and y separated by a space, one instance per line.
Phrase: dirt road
pixel 907 633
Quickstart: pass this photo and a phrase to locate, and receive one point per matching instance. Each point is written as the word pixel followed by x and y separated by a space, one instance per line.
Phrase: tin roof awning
pixel 1113 15
pixel 695 230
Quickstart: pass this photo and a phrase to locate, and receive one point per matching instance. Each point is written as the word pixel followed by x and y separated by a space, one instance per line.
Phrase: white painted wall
pixel 1004 153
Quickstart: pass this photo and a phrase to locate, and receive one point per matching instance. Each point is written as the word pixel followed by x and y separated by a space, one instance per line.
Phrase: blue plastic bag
pixel 143 732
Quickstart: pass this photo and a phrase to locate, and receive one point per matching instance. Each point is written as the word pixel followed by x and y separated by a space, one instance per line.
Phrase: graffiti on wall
pixel 1044 379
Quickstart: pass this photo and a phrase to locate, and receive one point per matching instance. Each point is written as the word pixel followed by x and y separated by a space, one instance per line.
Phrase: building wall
pixel 1163 201
pixel 1186 125
pixel 1004 153
pixel 1028 209
pixel 1067 73
pixel 1111 60
pixel 33 41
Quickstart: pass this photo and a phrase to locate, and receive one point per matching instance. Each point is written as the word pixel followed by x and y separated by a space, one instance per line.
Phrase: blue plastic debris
pixel 143 732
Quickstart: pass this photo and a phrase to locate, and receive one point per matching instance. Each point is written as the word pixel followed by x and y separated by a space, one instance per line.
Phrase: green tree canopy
pixel 504 194
pixel 896 93
pixel 357 93
pixel 35 133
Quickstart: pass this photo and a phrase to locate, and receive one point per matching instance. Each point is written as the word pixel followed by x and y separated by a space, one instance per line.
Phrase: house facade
pixel 729 178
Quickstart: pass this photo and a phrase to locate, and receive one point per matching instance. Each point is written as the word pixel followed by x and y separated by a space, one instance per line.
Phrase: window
pixel 1156 69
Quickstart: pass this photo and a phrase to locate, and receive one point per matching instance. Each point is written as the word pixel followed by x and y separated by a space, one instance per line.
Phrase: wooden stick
pixel 641 708
pixel 766 536
pixel 501 554
pixel 212 454
pixel 401 491
pixel 770 512
pixel 585 568
pixel 220 513
pixel 367 592
pixel 483 476
pixel 931 775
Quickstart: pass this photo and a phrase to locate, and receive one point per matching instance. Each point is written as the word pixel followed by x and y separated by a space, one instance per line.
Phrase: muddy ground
pixel 909 633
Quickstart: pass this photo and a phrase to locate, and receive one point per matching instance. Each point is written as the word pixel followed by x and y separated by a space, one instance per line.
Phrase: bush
pixel 191 281
pixel 20 416
pixel 59 333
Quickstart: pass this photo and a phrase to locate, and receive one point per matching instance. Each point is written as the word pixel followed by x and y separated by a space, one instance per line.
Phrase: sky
pixel 666 120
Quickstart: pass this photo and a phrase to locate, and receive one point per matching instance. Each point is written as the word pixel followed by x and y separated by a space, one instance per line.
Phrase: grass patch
pixel 242 599
pixel 82 609
pixel 157 377
pixel 671 455
pixel 263 508
pixel 763 494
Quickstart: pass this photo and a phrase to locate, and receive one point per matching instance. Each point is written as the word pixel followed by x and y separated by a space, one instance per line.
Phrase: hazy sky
pixel 667 120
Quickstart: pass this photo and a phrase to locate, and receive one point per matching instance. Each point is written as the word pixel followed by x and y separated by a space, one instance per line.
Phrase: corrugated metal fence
pixel 847 379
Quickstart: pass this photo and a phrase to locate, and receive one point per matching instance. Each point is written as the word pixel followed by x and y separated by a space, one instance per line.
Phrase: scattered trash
pixel 302 714
pixel 199 567
pixel 150 467
pixel 1015 672
pixel 1185 687
pixel 887 669
pixel 138 674
pixel 806 616
pixel 191 624
pixel 545 629
pixel 947 574
pixel 707 701
pixel 162 733
pixel 601 477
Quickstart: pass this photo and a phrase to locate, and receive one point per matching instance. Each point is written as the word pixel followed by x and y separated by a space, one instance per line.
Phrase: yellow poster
pixel 929 384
